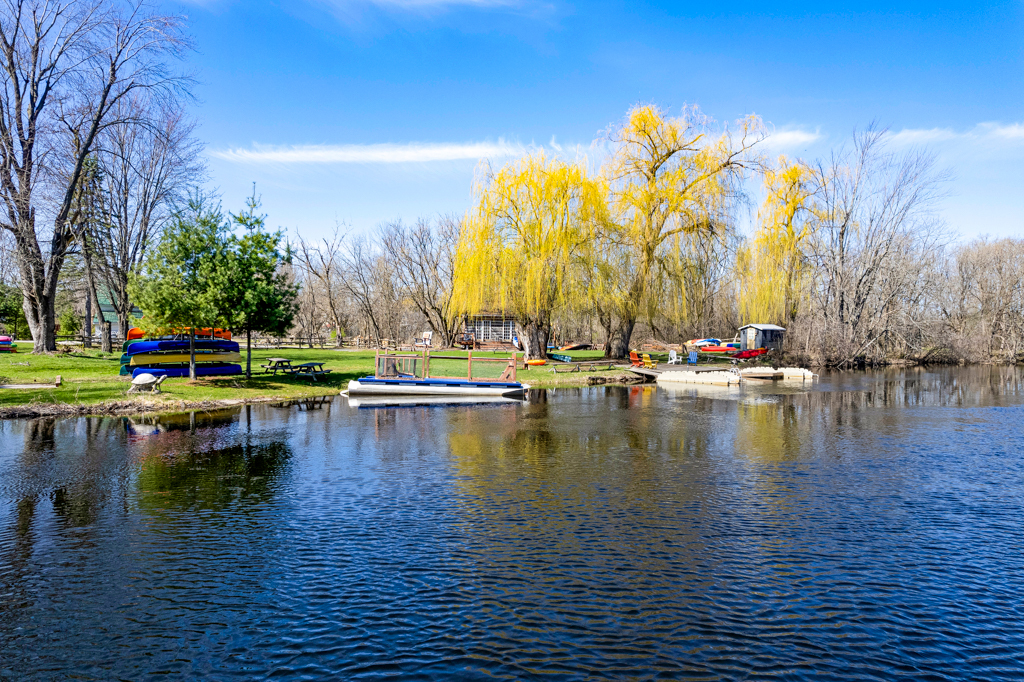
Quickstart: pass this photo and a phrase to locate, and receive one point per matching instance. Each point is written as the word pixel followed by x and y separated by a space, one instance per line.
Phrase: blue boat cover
pixel 201 370
pixel 179 345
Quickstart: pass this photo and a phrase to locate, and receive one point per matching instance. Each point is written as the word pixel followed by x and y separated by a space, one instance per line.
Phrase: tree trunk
pixel 618 340
pixel 124 324
pixel 248 353
pixel 40 316
pixel 106 345
pixel 192 354
pixel 90 283
pixel 605 320
pixel 534 337
pixel 87 329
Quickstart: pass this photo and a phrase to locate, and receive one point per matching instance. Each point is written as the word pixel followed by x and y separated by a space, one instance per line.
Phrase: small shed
pixel 768 336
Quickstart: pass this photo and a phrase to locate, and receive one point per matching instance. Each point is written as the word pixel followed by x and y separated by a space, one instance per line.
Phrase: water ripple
pixel 867 529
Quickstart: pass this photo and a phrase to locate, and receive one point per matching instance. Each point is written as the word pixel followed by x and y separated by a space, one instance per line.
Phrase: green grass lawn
pixel 91 377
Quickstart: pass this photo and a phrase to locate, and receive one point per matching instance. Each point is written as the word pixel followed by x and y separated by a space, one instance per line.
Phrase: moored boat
pixel 409 375
pixel 414 386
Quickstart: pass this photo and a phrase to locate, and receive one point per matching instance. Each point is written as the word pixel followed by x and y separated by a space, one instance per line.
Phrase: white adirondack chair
pixel 424 341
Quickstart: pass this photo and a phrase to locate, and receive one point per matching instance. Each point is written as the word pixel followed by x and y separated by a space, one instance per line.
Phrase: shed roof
pixel 764 327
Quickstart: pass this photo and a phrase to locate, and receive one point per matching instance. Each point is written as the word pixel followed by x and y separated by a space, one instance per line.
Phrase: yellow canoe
pixel 166 358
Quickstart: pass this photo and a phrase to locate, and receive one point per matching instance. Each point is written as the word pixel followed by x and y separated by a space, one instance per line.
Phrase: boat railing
pixel 426 365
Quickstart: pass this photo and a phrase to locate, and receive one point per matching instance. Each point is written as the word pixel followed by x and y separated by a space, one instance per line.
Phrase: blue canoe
pixel 181 345
pixel 201 371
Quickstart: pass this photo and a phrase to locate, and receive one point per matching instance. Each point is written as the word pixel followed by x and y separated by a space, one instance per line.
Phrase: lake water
pixel 870 527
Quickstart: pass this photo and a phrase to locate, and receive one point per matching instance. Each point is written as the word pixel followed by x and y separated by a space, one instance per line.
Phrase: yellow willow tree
pixel 521 249
pixel 666 177
pixel 770 268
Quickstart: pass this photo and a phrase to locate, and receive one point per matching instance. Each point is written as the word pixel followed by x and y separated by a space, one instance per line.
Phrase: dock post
pixel 469 371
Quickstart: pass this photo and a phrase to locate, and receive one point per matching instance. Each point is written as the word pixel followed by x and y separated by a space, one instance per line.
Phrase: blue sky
pixel 364 111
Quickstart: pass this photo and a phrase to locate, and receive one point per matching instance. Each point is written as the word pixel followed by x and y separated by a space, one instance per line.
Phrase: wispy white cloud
pixel 792 138
pixel 372 153
pixel 912 136
pixel 1013 131
pixel 983 132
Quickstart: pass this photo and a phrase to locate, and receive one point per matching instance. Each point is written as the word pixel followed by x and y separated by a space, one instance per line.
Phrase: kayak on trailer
pixel 414 386
pixel 201 370
pixel 181 345
pixel 751 353
pixel 716 349
pixel 175 358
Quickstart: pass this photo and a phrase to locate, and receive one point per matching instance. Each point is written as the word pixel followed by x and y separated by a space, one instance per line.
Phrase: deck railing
pixel 427 366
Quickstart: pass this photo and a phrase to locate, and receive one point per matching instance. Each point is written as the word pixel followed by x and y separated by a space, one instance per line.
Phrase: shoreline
pixel 142 404
pixel 127 408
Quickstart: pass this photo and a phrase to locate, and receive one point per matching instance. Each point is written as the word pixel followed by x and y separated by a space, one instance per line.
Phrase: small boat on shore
pixel 409 375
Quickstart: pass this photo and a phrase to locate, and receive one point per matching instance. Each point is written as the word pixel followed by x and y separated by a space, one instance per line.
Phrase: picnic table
pixel 277 365
pixel 309 370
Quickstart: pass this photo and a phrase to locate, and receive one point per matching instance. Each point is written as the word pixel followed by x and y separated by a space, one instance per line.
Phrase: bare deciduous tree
pixel 67 66
pixel 147 159
pixel 876 221
pixel 981 299
pixel 421 258
pixel 369 281
pixel 322 264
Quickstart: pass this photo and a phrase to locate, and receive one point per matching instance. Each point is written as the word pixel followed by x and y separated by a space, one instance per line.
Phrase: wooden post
pixel 515 367
pixel 426 366
pixel 469 372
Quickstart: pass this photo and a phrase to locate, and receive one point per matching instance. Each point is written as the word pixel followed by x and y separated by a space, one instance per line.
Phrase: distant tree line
pixel 847 252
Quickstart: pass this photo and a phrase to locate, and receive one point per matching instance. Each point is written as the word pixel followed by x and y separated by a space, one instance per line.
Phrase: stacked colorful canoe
pixel 169 357
pixel 7 345
pixel 136 334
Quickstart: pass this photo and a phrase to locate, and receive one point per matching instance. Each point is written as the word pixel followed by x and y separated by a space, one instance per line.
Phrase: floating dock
pixel 746 374
pixel 688 377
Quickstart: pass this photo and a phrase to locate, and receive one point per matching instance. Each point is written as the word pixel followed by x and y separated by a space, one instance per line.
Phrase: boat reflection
pixel 365 402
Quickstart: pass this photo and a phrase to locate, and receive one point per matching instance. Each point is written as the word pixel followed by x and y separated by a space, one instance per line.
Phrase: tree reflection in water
pixel 606 531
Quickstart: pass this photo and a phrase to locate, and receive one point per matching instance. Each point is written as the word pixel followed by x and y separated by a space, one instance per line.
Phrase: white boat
pixel 442 387
pixel 408 374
